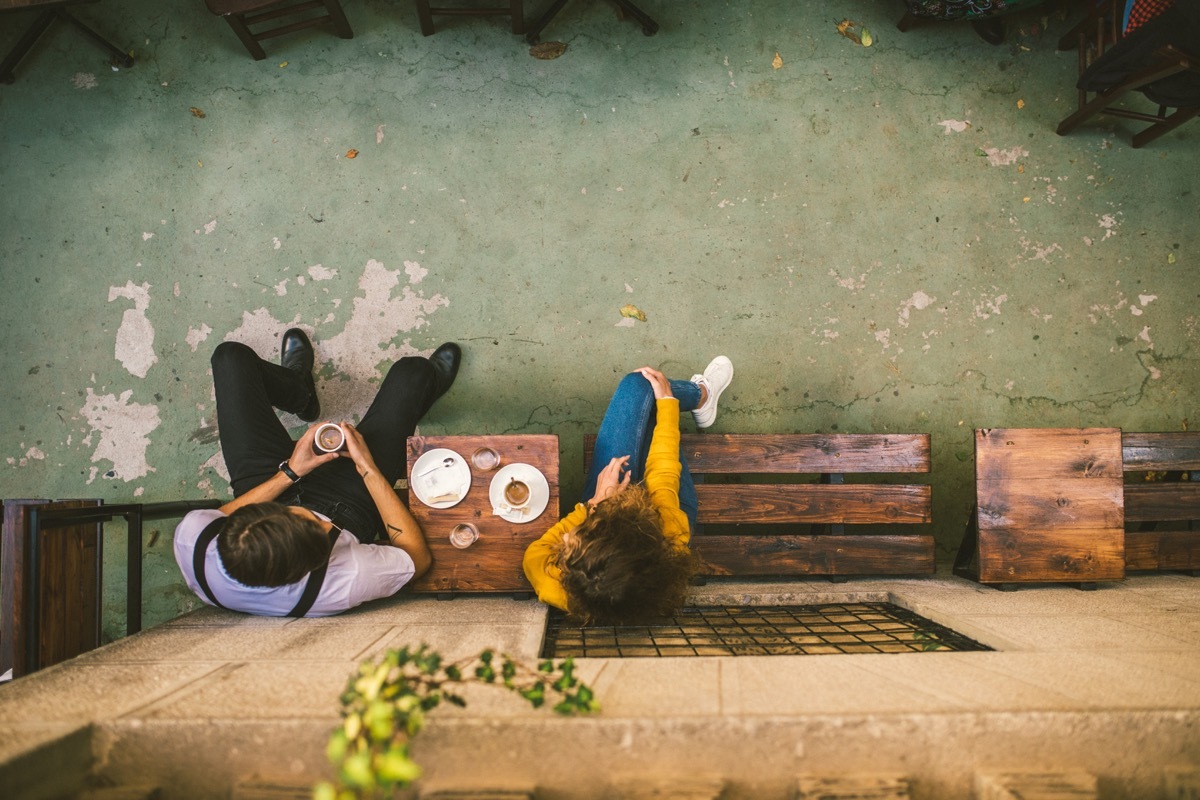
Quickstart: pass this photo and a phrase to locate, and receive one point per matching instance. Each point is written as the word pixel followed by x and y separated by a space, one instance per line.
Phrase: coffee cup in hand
pixel 329 438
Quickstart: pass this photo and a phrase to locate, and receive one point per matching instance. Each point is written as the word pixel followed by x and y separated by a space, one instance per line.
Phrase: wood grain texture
pixel 1162 550
pixel 1070 555
pixel 492 564
pixel 800 453
pixel 815 555
pixel 1161 451
pixel 1047 453
pixel 849 504
pixel 1162 502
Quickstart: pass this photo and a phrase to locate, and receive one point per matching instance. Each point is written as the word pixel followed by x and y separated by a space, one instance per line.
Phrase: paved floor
pixel 1106 682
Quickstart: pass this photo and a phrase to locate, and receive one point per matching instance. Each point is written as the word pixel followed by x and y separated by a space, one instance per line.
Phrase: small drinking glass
pixel 485 459
pixel 464 535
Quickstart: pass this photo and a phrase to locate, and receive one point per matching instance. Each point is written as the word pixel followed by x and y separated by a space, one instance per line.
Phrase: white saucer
pixel 438 483
pixel 539 492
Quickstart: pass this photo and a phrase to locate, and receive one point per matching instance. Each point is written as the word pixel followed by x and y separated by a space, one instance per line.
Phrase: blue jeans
pixel 627 429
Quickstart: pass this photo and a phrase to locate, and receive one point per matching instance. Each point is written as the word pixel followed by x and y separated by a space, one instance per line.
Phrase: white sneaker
pixel 716 379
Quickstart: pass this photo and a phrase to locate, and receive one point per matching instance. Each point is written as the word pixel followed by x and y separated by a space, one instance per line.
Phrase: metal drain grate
pixel 759 631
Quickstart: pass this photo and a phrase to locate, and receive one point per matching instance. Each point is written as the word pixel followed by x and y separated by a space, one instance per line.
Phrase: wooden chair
pixel 1049 507
pixel 625 9
pixel 1162 501
pixel 52 10
pixel 242 14
pixel 515 9
pixel 1160 59
pixel 755 492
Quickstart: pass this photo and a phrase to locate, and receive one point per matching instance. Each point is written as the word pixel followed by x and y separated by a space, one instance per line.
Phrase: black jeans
pixel 254 441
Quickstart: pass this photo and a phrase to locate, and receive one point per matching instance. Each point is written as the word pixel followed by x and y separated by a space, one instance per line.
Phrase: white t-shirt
pixel 357 573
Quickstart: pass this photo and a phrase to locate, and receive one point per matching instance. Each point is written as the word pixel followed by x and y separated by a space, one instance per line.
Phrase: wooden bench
pixel 1162 500
pixel 1048 507
pixel 757 492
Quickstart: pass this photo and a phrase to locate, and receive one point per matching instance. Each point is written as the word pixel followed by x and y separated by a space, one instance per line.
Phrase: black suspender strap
pixel 316 578
pixel 206 537
pixel 312 587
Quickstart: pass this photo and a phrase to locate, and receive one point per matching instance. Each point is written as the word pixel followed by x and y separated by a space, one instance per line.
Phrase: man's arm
pixel 302 461
pixel 402 528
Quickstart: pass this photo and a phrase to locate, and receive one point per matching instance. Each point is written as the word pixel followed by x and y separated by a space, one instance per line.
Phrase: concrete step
pixel 1070 785
pixel 854 787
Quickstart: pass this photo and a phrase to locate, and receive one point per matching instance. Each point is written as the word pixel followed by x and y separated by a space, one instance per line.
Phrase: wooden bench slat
pixel 815 555
pixel 1047 453
pixel 1040 506
pixel 800 453
pixel 848 504
pixel 803 453
pixel 1008 555
pixel 1161 451
pixel 1150 502
pixel 1159 550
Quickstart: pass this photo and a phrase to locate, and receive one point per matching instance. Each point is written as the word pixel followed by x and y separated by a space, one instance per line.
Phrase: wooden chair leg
pixel 425 17
pixel 517 9
pixel 239 27
pixel 341 26
pixel 1168 124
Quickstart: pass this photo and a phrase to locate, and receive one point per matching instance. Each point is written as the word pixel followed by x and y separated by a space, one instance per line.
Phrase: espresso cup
pixel 516 493
pixel 329 438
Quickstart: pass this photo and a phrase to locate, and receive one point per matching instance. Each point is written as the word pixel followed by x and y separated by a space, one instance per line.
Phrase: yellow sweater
pixel 662 482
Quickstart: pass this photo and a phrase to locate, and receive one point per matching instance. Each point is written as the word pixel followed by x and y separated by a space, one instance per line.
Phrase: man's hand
pixel 357 451
pixel 610 480
pixel 303 460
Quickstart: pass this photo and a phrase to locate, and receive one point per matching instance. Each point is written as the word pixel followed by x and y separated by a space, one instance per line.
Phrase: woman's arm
pixel 541 560
pixel 302 461
pixel 402 528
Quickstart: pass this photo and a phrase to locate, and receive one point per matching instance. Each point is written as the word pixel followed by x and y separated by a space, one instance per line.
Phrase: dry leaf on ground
pixel 633 312
pixel 351 153
pixel 196 112
pixel 547 50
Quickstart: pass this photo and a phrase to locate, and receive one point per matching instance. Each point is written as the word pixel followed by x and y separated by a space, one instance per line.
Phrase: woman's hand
pixel 303 460
pixel 357 450
pixel 661 386
pixel 610 481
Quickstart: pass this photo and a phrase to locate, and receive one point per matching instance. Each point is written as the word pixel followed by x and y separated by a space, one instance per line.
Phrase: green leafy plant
pixel 385 704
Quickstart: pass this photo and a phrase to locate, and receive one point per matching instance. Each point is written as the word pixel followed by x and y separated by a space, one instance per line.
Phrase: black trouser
pixel 254 441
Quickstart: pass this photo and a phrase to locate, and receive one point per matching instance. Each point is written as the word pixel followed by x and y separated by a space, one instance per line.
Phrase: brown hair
pixel 619 568
pixel 264 544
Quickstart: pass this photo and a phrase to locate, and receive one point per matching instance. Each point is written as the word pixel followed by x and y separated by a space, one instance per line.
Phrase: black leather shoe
pixel 990 30
pixel 296 353
pixel 445 362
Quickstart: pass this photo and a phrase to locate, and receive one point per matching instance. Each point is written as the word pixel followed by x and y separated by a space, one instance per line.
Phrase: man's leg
pixel 248 390
pixel 405 395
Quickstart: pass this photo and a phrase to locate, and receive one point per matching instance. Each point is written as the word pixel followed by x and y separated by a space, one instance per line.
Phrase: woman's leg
pixel 627 429
pixel 248 390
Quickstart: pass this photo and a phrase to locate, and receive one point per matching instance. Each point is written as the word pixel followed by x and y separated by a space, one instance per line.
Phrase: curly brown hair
pixel 619 568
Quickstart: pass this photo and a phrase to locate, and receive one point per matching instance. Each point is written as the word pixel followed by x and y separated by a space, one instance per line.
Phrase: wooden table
pixel 493 563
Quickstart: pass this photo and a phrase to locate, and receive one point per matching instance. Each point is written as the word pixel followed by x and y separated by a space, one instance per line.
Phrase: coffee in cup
pixel 329 438
pixel 516 493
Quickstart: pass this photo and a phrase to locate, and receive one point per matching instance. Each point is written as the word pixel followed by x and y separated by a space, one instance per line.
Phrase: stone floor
pixel 883 238
pixel 1104 682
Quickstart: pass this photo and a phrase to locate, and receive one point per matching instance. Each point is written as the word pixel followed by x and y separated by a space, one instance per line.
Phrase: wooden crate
pixel 1162 509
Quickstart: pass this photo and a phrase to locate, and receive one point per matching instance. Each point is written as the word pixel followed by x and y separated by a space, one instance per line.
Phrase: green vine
pixel 385 704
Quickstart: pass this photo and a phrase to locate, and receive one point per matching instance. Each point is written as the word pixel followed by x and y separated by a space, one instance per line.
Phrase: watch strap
pixel 286 469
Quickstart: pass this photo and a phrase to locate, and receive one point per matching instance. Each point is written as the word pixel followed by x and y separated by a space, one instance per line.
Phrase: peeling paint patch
pixel 950 126
pixel 135 337
pixel 276 244
pixel 147 236
pixel 1109 223
pixel 919 301
pixel 1004 158
pixel 281 288
pixel 626 322
pixel 1039 251
pixel 415 272
pixel 209 227
pixel 987 307
pixel 124 428
pixel 196 336
pixel 319 273
pixel 852 284
pixel 84 80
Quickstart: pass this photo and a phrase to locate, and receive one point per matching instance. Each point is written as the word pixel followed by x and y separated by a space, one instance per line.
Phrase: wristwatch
pixel 287 470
